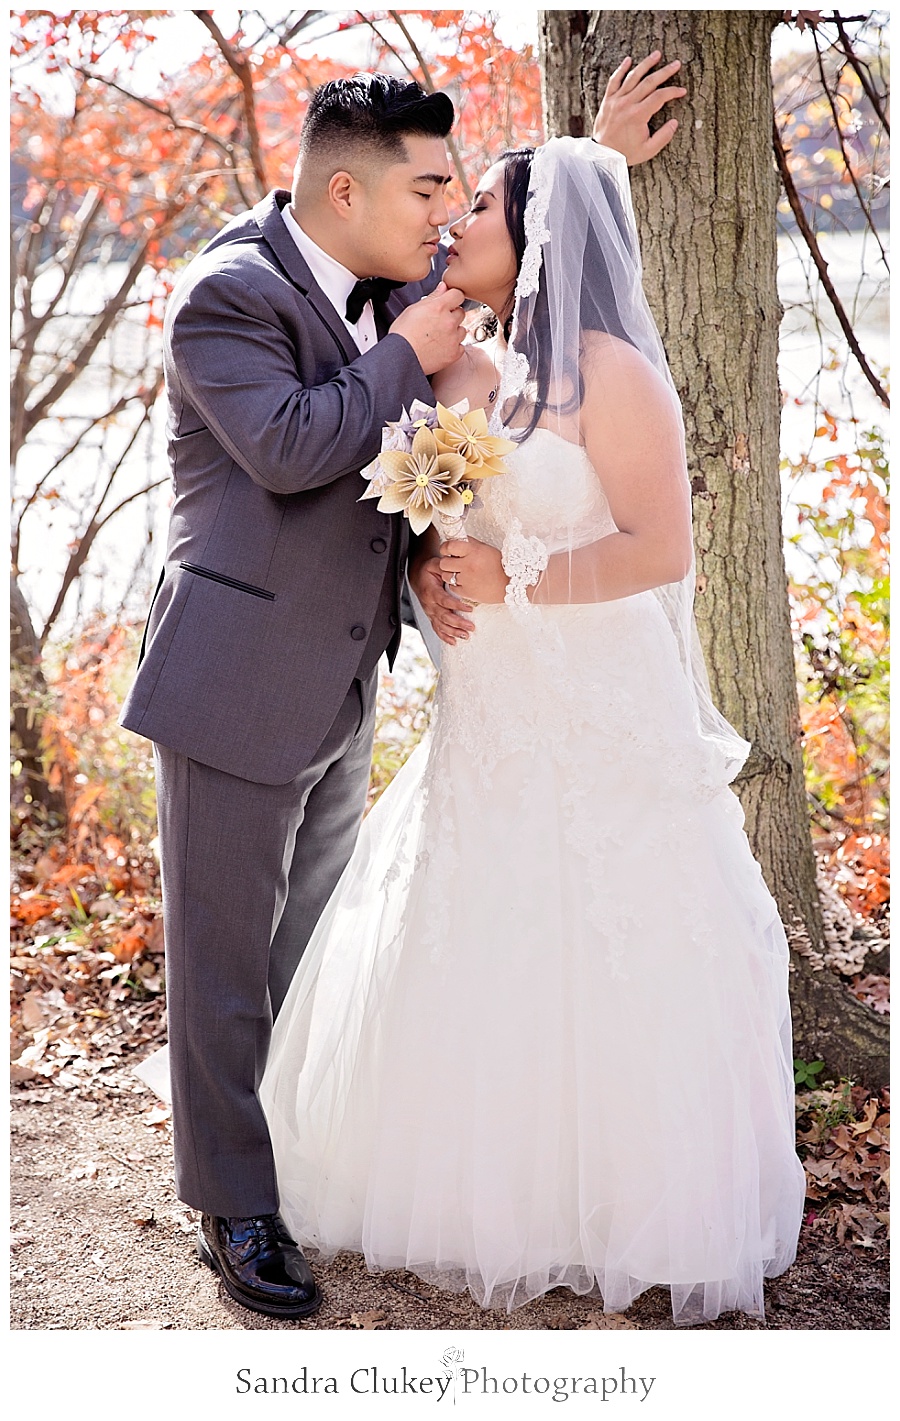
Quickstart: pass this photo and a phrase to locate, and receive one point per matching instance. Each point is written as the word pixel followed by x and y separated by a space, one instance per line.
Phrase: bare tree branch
pixel 367 20
pixel 27 258
pixel 84 543
pixel 108 414
pixel 188 125
pixel 822 266
pixel 67 259
pixel 37 411
pixel 305 19
pixel 240 65
pixel 844 154
pixel 862 74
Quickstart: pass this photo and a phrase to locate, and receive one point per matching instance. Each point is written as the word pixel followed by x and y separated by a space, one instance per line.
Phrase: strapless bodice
pixel 554 491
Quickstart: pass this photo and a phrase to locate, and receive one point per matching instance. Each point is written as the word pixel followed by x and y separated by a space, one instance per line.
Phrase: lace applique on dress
pixel 524 560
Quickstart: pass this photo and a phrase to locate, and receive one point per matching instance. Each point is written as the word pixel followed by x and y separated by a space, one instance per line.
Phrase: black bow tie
pixel 373 288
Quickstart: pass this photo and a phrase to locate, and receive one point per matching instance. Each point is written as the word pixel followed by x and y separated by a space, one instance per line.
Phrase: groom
pixel 280 591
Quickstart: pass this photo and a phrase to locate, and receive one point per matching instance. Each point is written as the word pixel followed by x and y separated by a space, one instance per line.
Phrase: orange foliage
pixel 860 870
pixel 94 889
pixel 71 873
pixel 29 908
pixel 80 738
pixel 127 947
pixel 154 157
pixel 824 725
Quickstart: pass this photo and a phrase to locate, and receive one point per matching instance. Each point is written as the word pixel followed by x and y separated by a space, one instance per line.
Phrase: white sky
pixel 182 38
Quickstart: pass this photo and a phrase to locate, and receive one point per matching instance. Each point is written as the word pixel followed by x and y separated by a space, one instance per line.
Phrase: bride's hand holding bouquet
pixel 431 465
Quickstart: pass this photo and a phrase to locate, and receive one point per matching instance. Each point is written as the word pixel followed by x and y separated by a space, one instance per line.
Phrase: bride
pixel 540 1036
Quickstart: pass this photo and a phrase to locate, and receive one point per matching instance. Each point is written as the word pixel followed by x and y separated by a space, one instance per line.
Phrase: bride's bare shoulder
pixel 472 377
pixel 614 365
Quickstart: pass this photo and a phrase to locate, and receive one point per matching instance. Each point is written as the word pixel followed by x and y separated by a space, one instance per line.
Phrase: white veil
pixel 579 286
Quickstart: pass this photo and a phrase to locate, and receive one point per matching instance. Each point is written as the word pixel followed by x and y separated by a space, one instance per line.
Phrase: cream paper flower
pixel 467 435
pixel 424 482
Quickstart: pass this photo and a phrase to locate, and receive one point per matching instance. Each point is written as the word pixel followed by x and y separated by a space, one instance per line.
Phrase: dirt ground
pixel 101 1242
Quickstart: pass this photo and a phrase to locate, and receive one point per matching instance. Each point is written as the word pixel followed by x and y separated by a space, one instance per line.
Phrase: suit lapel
pixel 271 225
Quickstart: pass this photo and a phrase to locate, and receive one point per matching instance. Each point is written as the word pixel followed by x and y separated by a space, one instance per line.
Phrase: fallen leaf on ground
pixel 129 944
pixel 155 938
pixel 159 1115
pixel 604 1321
pixel 30 910
pixel 874 990
pixel 71 873
pixel 34 1010
pixel 368 1320
pixel 85 1171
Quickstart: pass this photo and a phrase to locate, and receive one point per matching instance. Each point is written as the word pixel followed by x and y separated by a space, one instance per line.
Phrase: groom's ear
pixel 343 194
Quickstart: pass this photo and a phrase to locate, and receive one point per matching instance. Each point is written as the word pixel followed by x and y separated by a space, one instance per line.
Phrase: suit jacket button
pixel 378 545
pixel 358 633
pixel 393 619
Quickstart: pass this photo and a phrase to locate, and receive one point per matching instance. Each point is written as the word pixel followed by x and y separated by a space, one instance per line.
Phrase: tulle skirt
pixel 541 1035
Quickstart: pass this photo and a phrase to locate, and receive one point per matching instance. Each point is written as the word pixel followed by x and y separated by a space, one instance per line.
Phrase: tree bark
pixel 706 212
pixel 561 43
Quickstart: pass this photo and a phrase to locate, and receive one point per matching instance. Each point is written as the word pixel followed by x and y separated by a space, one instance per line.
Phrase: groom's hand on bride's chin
pixel 434 328
pixel 631 99
pixel 445 612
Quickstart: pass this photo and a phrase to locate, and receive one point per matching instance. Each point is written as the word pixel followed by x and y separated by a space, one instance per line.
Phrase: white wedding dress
pixel 541 1036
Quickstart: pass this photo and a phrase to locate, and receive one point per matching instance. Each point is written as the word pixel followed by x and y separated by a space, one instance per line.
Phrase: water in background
pixel 855 269
pixel 805 346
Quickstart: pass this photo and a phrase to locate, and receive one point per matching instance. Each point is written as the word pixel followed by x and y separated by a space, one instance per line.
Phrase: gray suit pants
pixel 246 870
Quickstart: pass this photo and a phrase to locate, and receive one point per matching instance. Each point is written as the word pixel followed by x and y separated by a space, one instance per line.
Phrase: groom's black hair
pixel 374 110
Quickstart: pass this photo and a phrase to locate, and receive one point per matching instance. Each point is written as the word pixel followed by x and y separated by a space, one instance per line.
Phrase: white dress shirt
pixel 335 280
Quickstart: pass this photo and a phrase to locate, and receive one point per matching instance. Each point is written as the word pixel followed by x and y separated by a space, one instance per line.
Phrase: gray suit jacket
pixel 274 570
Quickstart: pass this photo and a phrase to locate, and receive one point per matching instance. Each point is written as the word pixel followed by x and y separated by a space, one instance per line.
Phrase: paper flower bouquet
pixel 431 462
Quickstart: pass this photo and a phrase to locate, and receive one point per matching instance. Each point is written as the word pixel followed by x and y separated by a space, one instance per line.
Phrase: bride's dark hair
pixel 598 307
pixel 516 176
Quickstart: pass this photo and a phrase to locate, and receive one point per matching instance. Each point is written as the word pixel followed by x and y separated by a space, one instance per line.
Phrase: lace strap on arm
pixel 524 560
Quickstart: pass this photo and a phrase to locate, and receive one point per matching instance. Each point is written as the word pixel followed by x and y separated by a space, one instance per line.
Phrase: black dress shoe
pixel 259 1263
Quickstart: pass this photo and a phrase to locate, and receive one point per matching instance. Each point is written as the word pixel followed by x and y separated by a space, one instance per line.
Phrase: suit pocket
pixel 228 581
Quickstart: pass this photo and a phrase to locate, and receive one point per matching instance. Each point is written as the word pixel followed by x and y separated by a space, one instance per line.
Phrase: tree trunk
pixel 706 212
pixel 28 696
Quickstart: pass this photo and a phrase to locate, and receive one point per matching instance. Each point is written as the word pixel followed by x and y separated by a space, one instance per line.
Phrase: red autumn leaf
pixel 30 909
pixel 127 947
pixel 71 873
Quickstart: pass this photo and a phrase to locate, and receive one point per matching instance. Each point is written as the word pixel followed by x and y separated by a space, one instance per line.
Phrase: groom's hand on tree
pixel 631 99
pixel 434 328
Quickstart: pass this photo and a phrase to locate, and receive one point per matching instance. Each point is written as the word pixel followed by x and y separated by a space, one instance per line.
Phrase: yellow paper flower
pixel 424 482
pixel 467 435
